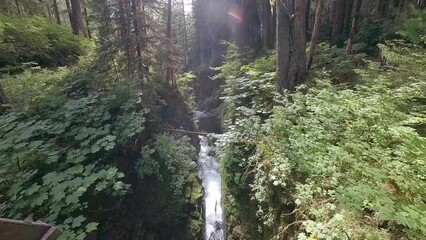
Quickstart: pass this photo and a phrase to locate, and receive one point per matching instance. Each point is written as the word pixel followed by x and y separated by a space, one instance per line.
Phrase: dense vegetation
pixel 31 41
pixel 335 161
pixel 81 145
pixel 320 134
pixel 342 157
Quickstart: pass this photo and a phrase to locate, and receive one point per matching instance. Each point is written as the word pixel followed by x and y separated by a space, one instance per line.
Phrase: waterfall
pixel 208 166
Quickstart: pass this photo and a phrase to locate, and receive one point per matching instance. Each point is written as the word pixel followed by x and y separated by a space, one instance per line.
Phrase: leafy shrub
pixel 185 85
pixel 339 66
pixel 371 33
pixel 342 156
pixel 167 167
pixel 334 162
pixel 35 39
pixel 59 164
pixel 412 25
pixel 232 62
pixel 179 159
pixel 169 156
pixel 248 89
pixel 27 89
pixel 248 96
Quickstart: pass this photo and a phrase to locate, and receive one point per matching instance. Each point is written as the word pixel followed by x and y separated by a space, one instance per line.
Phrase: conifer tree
pixel 291 44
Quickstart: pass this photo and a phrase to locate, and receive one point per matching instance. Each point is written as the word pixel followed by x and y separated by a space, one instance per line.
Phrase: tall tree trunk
pixel 401 4
pixel 274 22
pixel 241 29
pixel 348 17
pixel 169 68
pixel 86 19
pixel 351 38
pixel 3 99
pixel 49 11
pixel 267 24
pixel 247 30
pixel 338 20
pixel 138 40
pixel 69 11
pixel 125 33
pixel 210 18
pixel 77 18
pixel 291 44
pixel 358 6
pixel 307 17
pixel 18 8
pixel 185 35
pixel 144 34
pixel 315 32
pixel 56 11
pixel 382 8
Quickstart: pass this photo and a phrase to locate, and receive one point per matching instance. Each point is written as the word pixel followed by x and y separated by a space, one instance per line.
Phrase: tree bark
pixel 17 7
pixel 307 17
pixel 211 27
pixel 267 25
pixel 291 44
pixel 3 99
pixel 56 11
pixel 358 6
pixel 382 8
pixel 169 68
pixel 144 34
pixel 185 35
pixel 69 11
pixel 125 33
pixel 338 20
pixel 49 11
pixel 274 22
pixel 348 17
pixel 351 38
pixel 77 18
pixel 138 40
pixel 86 19
pixel 401 4
pixel 315 32
pixel 248 28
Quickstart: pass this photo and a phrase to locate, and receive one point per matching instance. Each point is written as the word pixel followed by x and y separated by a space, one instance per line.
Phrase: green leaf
pixel 40 200
pixel 77 221
pixel 91 227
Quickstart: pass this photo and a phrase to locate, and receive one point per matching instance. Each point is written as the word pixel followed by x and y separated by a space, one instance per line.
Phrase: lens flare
pixel 235 15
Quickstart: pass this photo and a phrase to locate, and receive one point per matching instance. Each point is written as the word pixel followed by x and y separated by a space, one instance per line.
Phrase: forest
pixel 214 119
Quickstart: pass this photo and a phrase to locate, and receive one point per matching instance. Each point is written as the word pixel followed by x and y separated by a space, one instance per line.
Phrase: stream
pixel 208 166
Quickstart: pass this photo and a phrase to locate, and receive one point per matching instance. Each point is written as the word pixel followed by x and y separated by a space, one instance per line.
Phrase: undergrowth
pixel 334 160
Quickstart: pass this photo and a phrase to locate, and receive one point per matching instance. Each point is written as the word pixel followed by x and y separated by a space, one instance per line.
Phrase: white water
pixel 209 169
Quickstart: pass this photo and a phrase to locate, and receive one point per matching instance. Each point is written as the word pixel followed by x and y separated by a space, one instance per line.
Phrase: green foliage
pixel 179 159
pixel 185 84
pixel 339 65
pixel 249 89
pixel 27 89
pixel 36 40
pixel 171 190
pixel 232 62
pixel 330 161
pixel 346 153
pixel 56 164
pixel 248 97
pixel 412 25
pixel 371 33
pixel 171 160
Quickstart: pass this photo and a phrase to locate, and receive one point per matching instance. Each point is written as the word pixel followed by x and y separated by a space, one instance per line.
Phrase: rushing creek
pixel 208 166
